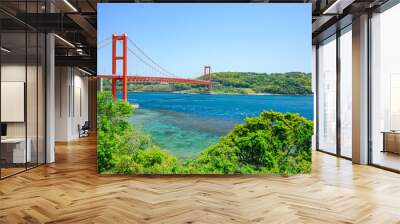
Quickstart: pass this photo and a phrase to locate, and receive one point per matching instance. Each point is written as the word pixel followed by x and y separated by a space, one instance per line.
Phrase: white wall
pixel 62 82
pixel 80 115
pixel 16 73
pixel 9 73
pixel 34 124
pixel 71 102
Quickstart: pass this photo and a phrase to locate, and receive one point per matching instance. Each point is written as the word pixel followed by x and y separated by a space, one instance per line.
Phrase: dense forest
pixel 291 83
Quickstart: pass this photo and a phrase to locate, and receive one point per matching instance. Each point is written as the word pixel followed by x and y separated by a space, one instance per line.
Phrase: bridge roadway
pixel 156 79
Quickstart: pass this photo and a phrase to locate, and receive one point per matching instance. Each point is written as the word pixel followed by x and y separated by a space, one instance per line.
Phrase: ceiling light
pixel 65 41
pixel 5 50
pixel 331 8
pixel 84 71
pixel 79 51
pixel 337 7
pixel 70 5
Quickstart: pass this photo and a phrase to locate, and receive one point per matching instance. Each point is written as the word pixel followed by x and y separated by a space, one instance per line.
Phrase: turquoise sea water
pixel 185 124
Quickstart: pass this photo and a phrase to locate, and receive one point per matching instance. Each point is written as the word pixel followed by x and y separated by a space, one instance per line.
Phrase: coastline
pixel 176 125
pixel 223 93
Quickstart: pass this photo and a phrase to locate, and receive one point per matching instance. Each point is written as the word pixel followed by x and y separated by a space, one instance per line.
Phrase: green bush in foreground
pixel 150 161
pixel 270 143
pixel 123 149
pixel 112 124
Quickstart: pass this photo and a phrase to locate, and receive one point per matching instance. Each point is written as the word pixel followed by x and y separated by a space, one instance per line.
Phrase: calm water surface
pixel 185 124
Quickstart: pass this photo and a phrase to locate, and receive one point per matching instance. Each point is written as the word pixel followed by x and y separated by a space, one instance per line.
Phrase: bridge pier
pixel 114 88
pixel 124 58
pixel 207 76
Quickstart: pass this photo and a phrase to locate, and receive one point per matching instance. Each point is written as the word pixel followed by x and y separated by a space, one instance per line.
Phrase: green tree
pixel 111 128
pixel 270 143
pixel 123 149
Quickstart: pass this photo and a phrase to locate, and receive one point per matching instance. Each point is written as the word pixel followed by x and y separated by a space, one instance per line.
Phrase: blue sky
pixel 230 37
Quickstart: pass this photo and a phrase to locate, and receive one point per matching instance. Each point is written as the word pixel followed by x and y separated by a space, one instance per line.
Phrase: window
pixel 385 89
pixel 346 92
pixel 327 95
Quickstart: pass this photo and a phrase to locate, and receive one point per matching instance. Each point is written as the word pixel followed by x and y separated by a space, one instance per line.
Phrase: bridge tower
pixel 124 58
pixel 207 76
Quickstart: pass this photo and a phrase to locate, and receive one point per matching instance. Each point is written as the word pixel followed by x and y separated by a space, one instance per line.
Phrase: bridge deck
pixel 156 79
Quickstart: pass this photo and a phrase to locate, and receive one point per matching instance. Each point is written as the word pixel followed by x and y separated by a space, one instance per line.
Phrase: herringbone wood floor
pixel 70 191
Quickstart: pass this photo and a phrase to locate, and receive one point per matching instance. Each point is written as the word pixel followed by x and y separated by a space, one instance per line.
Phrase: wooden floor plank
pixel 70 191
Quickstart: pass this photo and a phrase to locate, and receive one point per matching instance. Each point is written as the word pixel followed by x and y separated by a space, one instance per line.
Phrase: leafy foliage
pixel 112 124
pixel 150 161
pixel 291 83
pixel 270 143
pixel 123 149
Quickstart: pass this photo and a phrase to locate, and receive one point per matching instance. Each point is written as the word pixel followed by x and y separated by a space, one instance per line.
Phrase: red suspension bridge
pixel 163 77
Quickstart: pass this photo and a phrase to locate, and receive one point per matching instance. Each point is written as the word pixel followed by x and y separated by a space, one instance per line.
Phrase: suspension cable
pixel 152 65
pixel 150 59
pixel 104 44
pixel 145 62
pixel 104 40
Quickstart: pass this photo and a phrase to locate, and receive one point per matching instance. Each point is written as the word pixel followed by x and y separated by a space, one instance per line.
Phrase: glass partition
pixel 22 92
pixel 14 153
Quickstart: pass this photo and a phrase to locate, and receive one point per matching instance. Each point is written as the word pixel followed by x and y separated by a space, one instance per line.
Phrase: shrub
pixel 270 143
pixel 155 161
pixel 123 149
pixel 218 158
pixel 112 126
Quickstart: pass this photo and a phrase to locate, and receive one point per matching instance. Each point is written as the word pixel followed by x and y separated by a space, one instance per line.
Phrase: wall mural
pixel 204 89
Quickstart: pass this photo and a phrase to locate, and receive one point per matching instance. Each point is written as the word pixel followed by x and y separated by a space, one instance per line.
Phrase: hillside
pixel 291 83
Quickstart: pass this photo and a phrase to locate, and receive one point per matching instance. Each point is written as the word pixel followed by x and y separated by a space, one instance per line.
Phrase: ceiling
pixel 75 21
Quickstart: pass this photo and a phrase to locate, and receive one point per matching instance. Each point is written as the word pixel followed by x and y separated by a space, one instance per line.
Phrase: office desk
pixel 13 150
